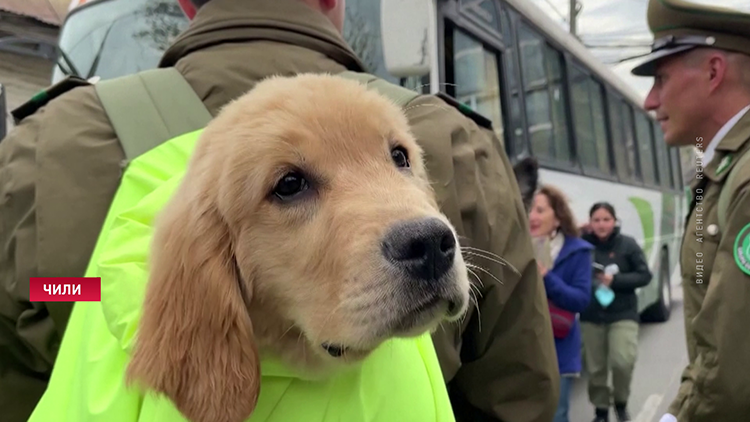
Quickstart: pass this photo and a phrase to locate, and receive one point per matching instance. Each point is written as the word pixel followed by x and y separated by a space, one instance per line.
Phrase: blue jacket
pixel 568 286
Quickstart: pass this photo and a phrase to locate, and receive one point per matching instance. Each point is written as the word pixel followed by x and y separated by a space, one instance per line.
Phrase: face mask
pixel 604 295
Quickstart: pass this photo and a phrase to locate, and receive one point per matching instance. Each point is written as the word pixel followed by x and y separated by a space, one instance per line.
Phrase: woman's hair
pixel 606 205
pixel 559 204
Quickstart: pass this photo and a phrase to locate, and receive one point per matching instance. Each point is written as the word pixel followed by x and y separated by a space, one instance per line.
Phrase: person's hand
pixel 542 270
pixel 668 418
pixel 606 279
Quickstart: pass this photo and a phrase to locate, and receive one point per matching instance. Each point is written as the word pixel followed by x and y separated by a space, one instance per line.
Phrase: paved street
pixel 661 358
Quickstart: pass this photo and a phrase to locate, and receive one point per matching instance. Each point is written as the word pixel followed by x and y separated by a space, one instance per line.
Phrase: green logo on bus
pixel 742 250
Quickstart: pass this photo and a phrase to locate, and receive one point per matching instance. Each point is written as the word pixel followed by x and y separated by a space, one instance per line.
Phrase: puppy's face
pixel 334 225
pixel 305 227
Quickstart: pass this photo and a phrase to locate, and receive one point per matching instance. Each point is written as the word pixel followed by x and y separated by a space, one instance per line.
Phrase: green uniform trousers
pixel 610 347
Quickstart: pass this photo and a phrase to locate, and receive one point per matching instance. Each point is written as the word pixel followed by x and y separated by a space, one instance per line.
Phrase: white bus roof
pixel 556 33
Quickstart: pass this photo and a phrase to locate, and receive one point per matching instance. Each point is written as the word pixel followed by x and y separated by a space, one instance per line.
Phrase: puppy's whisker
pixel 476 267
pixel 476 276
pixel 330 315
pixel 287 332
pixel 484 253
pixel 489 256
pixel 476 289
pixel 476 306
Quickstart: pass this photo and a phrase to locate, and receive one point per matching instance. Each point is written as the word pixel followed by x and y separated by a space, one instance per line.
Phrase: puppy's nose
pixel 424 248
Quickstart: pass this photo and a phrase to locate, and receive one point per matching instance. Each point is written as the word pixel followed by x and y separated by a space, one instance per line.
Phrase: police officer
pixel 61 167
pixel 700 62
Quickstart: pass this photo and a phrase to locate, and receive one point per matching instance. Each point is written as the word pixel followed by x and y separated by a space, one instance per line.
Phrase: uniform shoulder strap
pixel 728 187
pixel 46 95
pixel 396 93
pixel 151 107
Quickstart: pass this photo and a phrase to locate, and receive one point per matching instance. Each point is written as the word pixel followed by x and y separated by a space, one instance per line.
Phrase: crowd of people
pixel 590 276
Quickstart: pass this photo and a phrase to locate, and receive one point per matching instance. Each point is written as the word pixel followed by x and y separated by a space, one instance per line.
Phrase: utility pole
pixel 575 9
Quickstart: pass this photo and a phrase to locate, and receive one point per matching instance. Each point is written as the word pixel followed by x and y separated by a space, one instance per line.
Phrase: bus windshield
pixel 111 38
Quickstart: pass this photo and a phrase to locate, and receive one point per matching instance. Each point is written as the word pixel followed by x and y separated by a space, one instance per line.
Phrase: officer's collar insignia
pixel 742 249
pixel 725 162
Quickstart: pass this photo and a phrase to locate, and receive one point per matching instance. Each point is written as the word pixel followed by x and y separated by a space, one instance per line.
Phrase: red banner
pixel 65 289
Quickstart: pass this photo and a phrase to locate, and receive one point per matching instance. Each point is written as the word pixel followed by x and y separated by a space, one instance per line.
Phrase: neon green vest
pixel 401 381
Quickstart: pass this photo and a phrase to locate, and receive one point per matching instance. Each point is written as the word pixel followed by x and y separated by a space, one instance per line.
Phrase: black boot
pixel 602 415
pixel 622 412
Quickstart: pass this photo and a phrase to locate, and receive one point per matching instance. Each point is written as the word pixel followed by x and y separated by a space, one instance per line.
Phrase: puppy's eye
pixel 400 157
pixel 291 185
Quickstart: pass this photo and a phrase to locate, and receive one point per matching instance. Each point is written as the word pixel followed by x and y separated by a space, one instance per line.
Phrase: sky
pixel 620 23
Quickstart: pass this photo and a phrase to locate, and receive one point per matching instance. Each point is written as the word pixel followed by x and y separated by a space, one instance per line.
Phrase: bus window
pixel 662 158
pixel 516 135
pixel 630 145
pixel 588 112
pixel 545 98
pixel 476 78
pixel 112 38
pixel 616 114
pixel 645 148
pixel 600 128
pixel 362 32
pixel 676 168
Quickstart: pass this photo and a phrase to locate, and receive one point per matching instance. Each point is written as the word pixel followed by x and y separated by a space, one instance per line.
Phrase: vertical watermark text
pixel 700 154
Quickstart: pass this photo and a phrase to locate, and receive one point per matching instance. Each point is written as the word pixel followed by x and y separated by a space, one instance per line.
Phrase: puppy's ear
pixel 195 342
pixel 527 175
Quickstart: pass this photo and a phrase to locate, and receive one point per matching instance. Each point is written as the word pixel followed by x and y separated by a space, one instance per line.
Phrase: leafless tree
pixel 165 21
pixel 360 35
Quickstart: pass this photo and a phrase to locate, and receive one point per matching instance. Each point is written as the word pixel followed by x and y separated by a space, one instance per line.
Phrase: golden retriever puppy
pixel 304 228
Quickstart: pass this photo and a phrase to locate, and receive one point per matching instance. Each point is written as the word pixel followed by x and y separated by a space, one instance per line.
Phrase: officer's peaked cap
pixel 679 25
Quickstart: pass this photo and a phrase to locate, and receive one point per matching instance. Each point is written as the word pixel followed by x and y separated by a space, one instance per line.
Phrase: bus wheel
pixel 659 311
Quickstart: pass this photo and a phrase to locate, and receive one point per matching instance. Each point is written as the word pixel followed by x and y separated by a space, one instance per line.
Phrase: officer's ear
pixel 527 176
pixel 195 342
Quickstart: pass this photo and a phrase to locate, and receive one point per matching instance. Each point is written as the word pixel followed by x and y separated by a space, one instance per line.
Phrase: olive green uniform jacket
pixel 60 168
pixel 716 383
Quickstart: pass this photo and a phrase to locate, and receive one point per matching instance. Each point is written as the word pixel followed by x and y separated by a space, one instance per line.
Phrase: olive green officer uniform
pixel 714 258
pixel 60 168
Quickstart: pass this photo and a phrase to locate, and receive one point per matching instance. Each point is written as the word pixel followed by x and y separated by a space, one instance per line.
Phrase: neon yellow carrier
pixel 399 382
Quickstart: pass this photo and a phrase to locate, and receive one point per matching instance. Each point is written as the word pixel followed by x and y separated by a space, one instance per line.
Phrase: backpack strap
pixel 396 93
pixel 151 107
pixel 727 188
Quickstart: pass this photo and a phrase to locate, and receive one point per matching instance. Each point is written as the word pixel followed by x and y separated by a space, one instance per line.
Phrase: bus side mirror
pixel 3 114
pixel 404 28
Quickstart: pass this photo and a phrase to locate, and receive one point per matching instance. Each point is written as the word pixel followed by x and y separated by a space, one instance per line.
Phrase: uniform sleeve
pixel 572 295
pixel 721 386
pixel 686 385
pixel 639 276
pixel 58 170
pixel 26 329
pixel 501 365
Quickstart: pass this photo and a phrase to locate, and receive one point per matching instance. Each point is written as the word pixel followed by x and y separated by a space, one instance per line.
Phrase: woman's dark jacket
pixel 634 272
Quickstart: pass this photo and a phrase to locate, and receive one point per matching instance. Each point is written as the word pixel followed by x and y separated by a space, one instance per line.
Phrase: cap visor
pixel 648 66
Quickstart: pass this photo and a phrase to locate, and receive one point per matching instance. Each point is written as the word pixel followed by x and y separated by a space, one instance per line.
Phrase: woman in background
pixel 610 324
pixel 564 261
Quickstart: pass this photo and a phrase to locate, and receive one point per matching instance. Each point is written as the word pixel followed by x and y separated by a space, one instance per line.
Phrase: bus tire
pixel 660 311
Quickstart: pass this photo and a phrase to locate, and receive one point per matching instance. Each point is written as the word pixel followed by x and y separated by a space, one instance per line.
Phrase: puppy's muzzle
pixel 422 276
pixel 424 249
